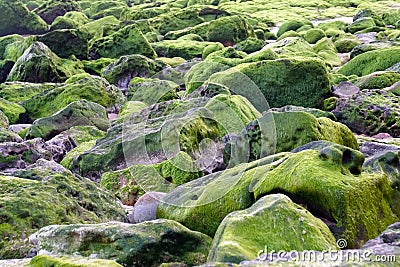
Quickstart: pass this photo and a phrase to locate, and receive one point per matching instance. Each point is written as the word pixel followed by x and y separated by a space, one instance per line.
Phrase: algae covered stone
pixel 128 40
pixel 48 195
pixel 70 261
pixel 143 244
pixel 273 222
pixel 16 18
pixel 77 113
pixel 39 64
pixel 295 81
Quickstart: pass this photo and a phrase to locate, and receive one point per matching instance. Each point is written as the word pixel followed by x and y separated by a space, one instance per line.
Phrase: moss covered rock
pixel 11 110
pixel 100 9
pixel 39 64
pixel 80 112
pixel 50 10
pixel 370 112
pixel 250 45
pixel 229 30
pixel 48 194
pixel 180 48
pixel 144 244
pixel 242 234
pixel 285 81
pixel 329 183
pixel 66 43
pixel 3 120
pixel 73 153
pixel 125 68
pixel 378 80
pixel 91 88
pixel 153 91
pixel 20 91
pixel 346 42
pixel 371 61
pixel 314 35
pixel 361 24
pixel 128 40
pixel 75 261
pixel 70 20
pixel 16 18
pixel 291 25
pixel 283 131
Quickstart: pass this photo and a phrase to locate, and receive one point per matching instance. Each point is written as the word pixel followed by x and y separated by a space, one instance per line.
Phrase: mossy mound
pixel 65 43
pixel 98 28
pixel 229 30
pixel 378 80
pixel 68 261
pixel 39 64
pixel 371 61
pixel 77 113
pixel 283 131
pixel 293 81
pixel 44 196
pixel 153 91
pixel 362 48
pixel 143 244
pixel 326 50
pixel 125 68
pixel 180 48
pixel 50 10
pixel 100 9
pixel 291 25
pixel 20 91
pixel 361 24
pixel 11 110
pixel 346 42
pixel 314 35
pixel 70 20
pixel 76 151
pixel 128 40
pixel 16 18
pixel 91 88
pixel 328 182
pixel 370 112
pixel 242 234
pixel 250 45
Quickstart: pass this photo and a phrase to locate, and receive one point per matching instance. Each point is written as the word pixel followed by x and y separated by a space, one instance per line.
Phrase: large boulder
pixel 322 179
pixel 50 10
pixel 144 244
pixel 127 41
pixel 242 234
pixel 45 194
pixel 67 42
pixel 16 18
pixel 125 68
pixel 283 131
pixel 162 130
pixel 370 112
pixel 78 113
pixel 91 88
pixel 295 81
pixel 371 61
pixel 39 64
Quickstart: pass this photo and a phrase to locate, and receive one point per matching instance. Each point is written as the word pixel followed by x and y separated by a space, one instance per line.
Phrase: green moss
pixel 330 103
pixel 288 34
pixel 28 205
pixel 361 24
pixel 318 178
pixel 378 80
pixel 11 110
pixel 338 25
pixel 250 45
pixel 39 64
pixel 81 148
pixel 66 42
pixel 19 91
pixel 142 244
pixel 292 46
pixel 97 67
pixel 50 10
pixel 390 17
pixel 242 234
pixel 230 29
pixel 7 40
pixel 210 49
pixel 227 56
pixel 371 61
pixel 346 42
pixel 70 20
pixel 82 134
pixel 153 91
pixel 288 80
pixel 3 120
pixel 77 113
pixel 180 48
pixel 291 25
pixel 68 261
pixel 128 40
pixel 95 28
pixel 173 62
pixel 94 89
pixel 314 35
pixel 100 9
pixel 18 19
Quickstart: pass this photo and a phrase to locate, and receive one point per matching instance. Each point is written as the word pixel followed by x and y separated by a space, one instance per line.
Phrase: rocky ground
pixel 199 132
